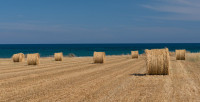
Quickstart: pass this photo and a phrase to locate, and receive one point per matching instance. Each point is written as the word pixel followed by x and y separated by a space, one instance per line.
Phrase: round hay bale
pixel 58 56
pixel 18 57
pixel 134 54
pixel 99 57
pixel 157 61
pixel 180 54
pixel 33 59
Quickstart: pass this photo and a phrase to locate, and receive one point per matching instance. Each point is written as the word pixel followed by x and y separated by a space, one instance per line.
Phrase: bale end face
pixel 33 59
pixel 180 54
pixel 58 56
pixel 157 61
pixel 99 57
pixel 134 54
pixel 18 57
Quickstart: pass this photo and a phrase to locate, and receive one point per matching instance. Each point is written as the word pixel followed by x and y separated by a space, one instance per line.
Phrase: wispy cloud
pixel 176 9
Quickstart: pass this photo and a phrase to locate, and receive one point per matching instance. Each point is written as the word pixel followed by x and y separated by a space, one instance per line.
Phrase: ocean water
pixel 46 50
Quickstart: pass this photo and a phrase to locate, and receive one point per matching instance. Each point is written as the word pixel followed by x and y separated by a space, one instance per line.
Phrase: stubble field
pixel 78 79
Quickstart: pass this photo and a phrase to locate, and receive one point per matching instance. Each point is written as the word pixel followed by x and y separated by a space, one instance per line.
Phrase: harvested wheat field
pixel 119 79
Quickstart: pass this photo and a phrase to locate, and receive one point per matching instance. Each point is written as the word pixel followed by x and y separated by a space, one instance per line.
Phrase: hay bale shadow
pixel 137 74
pixel 97 63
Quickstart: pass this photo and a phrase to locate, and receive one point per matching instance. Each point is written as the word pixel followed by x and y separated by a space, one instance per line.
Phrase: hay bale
pixel 180 54
pixel 134 54
pixel 99 57
pixel 58 56
pixel 157 61
pixel 33 59
pixel 18 57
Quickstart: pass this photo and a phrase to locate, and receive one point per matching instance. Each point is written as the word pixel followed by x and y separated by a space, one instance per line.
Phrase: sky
pixel 99 21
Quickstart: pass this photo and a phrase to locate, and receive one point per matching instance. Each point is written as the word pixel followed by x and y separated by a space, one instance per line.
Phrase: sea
pixel 81 50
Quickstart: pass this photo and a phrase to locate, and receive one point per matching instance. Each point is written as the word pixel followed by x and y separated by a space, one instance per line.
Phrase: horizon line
pixel 89 43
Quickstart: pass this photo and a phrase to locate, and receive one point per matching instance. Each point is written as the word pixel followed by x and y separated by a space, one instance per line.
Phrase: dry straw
pixel 99 57
pixel 134 54
pixel 58 56
pixel 158 61
pixel 180 54
pixel 18 57
pixel 33 59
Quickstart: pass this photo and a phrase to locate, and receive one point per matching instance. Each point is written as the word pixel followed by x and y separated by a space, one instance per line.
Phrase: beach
pixel 76 79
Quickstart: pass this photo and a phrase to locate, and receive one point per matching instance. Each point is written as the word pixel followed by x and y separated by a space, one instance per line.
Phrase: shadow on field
pixel 97 63
pixel 138 74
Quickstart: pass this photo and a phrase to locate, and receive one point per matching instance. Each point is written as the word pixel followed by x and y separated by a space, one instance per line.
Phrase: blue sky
pixel 99 21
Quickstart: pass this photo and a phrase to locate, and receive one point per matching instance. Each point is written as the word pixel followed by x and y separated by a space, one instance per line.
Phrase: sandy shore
pixel 120 79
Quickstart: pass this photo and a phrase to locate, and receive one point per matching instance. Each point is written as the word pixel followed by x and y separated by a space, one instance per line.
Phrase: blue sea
pixel 46 50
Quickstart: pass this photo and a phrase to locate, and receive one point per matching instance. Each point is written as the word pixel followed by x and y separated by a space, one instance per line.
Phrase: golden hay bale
pixel 134 54
pixel 58 56
pixel 158 61
pixel 180 54
pixel 99 57
pixel 33 59
pixel 18 57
